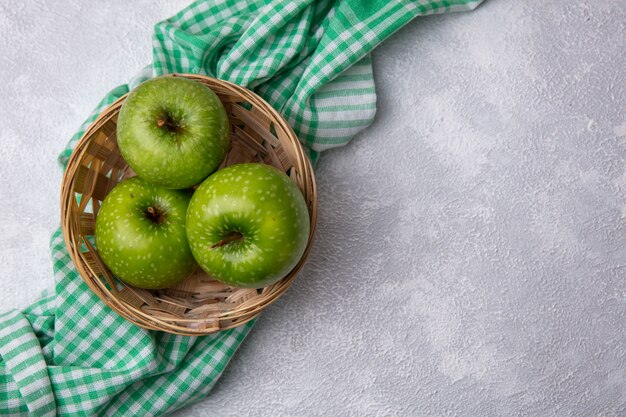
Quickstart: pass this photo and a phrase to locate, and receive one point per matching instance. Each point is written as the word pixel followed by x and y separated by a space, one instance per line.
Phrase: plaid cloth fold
pixel 68 353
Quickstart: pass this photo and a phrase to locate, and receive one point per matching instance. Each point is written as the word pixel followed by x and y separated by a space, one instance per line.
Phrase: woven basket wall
pixel 199 305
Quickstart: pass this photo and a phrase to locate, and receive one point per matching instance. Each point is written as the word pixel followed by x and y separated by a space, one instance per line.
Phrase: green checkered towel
pixel 68 353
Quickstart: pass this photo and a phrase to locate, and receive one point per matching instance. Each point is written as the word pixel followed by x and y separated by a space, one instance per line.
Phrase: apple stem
pixel 166 122
pixel 234 236
pixel 153 214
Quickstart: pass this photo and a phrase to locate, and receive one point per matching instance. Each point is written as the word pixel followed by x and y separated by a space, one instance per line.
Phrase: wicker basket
pixel 199 305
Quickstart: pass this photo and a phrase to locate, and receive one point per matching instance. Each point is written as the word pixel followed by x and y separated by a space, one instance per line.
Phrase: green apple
pixel 248 225
pixel 173 131
pixel 141 236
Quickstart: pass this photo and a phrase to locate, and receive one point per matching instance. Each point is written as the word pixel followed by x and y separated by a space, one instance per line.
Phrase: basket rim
pixel 141 318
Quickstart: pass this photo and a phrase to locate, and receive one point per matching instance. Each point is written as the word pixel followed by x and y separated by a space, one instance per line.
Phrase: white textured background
pixel 471 252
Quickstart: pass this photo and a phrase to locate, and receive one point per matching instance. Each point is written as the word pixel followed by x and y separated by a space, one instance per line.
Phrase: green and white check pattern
pixel 68 353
